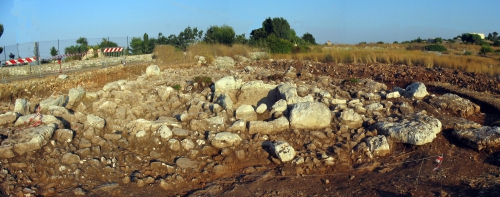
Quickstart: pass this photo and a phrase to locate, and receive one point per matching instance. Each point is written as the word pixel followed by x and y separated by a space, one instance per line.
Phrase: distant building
pixel 328 43
pixel 480 35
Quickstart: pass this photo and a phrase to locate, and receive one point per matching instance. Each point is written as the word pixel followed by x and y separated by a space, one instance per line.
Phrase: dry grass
pixel 398 54
pixel 168 53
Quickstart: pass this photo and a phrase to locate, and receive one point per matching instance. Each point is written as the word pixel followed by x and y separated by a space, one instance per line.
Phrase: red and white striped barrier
pixel 20 61
pixel 112 49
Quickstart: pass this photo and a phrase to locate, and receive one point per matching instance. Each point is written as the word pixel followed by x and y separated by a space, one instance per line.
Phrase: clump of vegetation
pixel 351 80
pixel 485 49
pixel 203 80
pixel 328 58
pixel 467 53
pixel 177 87
pixel 435 47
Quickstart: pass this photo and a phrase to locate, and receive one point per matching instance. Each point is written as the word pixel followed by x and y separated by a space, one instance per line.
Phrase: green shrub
pixel 202 80
pixel 467 53
pixel 435 47
pixel 497 51
pixel 177 87
pixel 279 45
pixel 485 49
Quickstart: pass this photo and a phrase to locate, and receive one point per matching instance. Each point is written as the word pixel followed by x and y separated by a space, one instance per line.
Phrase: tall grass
pixel 400 56
pixel 168 53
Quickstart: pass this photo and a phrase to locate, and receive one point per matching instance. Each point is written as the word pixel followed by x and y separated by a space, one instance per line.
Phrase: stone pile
pixel 145 132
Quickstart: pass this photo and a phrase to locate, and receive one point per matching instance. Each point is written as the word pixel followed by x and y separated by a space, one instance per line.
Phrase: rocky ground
pixel 260 128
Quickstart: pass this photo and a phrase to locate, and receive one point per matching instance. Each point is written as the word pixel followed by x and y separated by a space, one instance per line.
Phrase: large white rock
pixel 284 151
pixel 481 138
pixel 374 106
pixel 394 94
pixel 246 112
pixel 275 126
pixel 95 121
pixel 33 119
pixel 225 101
pixel 52 101
pixel 165 132
pixel 288 92
pixel 416 90
pixel 350 118
pixel 23 141
pixel 418 129
pixel 75 95
pixel 257 92
pixel 7 118
pixel 310 115
pixel 153 70
pixel 226 84
pixel 455 103
pixel 226 139
pixel 21 106
pixel 378 145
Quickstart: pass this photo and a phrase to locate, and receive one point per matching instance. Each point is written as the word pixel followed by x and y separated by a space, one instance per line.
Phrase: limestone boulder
pixel 378 145
pixel 226 139
pixel 26 140
pixel 416 90
pixel 485 137
pixel 7 118
pixel 456 104
pixel 215 124
pixel 350 118
pixel 52 101
pixel 21 106
pixel 374 86
pixel 246 112
pixel 223 62
pixel 282 150
pixel 256 93
pixel 95 121
pixel 35 119
pixel 310 115
pixel 417 129
pixel 153 70
pixel 227 84
pixel 288 92
pixel 269 127
pixel 74 96
pixel 225 102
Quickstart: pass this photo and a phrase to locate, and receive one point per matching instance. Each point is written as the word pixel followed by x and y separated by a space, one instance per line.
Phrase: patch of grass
pixel 177 87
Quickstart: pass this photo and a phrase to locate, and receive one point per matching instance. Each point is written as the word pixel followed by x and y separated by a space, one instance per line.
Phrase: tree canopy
pixel 309 38
pixel 222 35
pixel 1 32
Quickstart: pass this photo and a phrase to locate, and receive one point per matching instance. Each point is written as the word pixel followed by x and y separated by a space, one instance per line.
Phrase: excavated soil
pixel 406 171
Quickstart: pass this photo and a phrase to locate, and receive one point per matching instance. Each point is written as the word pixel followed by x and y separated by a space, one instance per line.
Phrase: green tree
pixel 82 41
pixel 485 49
pixel 223 35
pixel 105 43
pixel 438 40
pixel 145 43
pixel 53 51
pixel 279 45
pixel 471 38
pixel 495 34
pixel 489 37
pixel 1 32
pixel 277 26
pixel 240 39
pixel 309 38
pixel 136 46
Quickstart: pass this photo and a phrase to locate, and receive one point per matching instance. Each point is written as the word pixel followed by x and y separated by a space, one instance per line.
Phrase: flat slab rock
pixel 485 137
pixel 417 129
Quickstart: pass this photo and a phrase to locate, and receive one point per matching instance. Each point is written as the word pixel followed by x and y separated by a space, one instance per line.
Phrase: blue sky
pixel 339 21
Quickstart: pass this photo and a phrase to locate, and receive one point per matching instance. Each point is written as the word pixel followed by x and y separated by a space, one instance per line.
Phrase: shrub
pixel 435 47
pixel 203 80
pixel 485 49
pixel 279 45
pixel 467 53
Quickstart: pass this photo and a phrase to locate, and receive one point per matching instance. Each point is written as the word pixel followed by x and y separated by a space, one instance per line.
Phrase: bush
pixel 485 49
pixel 223 35
pixel 435 47
pixel 467 53
pixel 328 58
pixel 279 45
pixel 202 80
